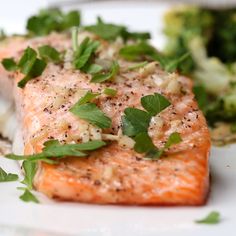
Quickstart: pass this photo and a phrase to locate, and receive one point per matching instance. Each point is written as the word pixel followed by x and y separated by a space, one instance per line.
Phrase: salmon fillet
pixel 115 174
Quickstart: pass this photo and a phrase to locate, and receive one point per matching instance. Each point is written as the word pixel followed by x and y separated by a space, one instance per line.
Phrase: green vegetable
pixel 27 196
pixel 49 20
pixel 91 113
pixel 154 104
pixel 135 121
pixel 212 218
pixel 101 77
pixel 9 64
pixel 30 169
pixel 6 177
pixel 49 53
pixel 88 97
pixel 53 149
pixel 109 31
pixel 110 92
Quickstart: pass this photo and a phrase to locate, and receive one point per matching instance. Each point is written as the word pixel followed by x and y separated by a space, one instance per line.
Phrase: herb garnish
pixel 91 113
pixel 110 92
pixel 27 196
pixel 212 218
pixel 29 65
pixel 101 77
pixel 109 31
pixel 9 64
pixel 48 53
pixel 144 51
pixel 138 65
pixel 135 123
pixel 49 20
pixel 30 169
pixel 53 149
pixel 6 177
pixel 155 103
pixel 84 53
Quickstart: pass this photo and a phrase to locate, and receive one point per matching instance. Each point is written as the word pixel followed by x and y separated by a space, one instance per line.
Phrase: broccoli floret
pixel 222 44
pixel 181 26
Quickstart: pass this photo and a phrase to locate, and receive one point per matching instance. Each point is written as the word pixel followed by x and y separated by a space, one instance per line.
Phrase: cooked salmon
pixel 115 174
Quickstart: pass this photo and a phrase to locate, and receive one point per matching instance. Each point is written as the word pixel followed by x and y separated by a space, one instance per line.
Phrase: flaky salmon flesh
pixel 114 174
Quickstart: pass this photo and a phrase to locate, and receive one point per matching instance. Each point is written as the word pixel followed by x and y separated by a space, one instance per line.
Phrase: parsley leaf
pixel 84 52
pixel 143 143
pixel 9 64
pixel 49 53
pixel 53 149
pixel 6 177
pixel 29 65
pixel 88 97
pixel 138 65
pixel 110 92
pixel 27 196
pixel 98 78
pixel 174 138
pixel 30 169
pixel 136 52
pixel 154 104
pixel 110 31
pixel 135 121
pixel 49 20
pixel 143 50
pixel 91 113
pixel 212 218
pixel 27 60
pixel 155 154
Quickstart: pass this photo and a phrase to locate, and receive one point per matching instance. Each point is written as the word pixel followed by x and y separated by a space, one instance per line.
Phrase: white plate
pixel 57 218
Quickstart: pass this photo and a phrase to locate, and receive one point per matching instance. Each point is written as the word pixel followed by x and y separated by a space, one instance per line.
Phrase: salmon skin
pixel 115 174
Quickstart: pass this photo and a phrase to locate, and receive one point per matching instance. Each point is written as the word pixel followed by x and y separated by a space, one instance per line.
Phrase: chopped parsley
pixel 29 65
pixel 155 103
pixel 138 65
pixel 49 53
pixel 6 177
pixel 49 20
pixel 135 123
pixel 212 218
pixel 144 51
pixel 91 113
pixel 27 196
pixel 30 169
pixel 103 76
pixel 9 64
pixel 84 53
pixel 110 92
pixel 88 97
pixel 110 31
pixel 53 149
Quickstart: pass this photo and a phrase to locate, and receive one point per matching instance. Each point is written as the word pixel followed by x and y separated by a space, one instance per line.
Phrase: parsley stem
pixel 75 38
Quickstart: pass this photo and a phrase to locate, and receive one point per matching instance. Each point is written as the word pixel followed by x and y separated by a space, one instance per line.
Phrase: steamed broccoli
pixel 209 36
